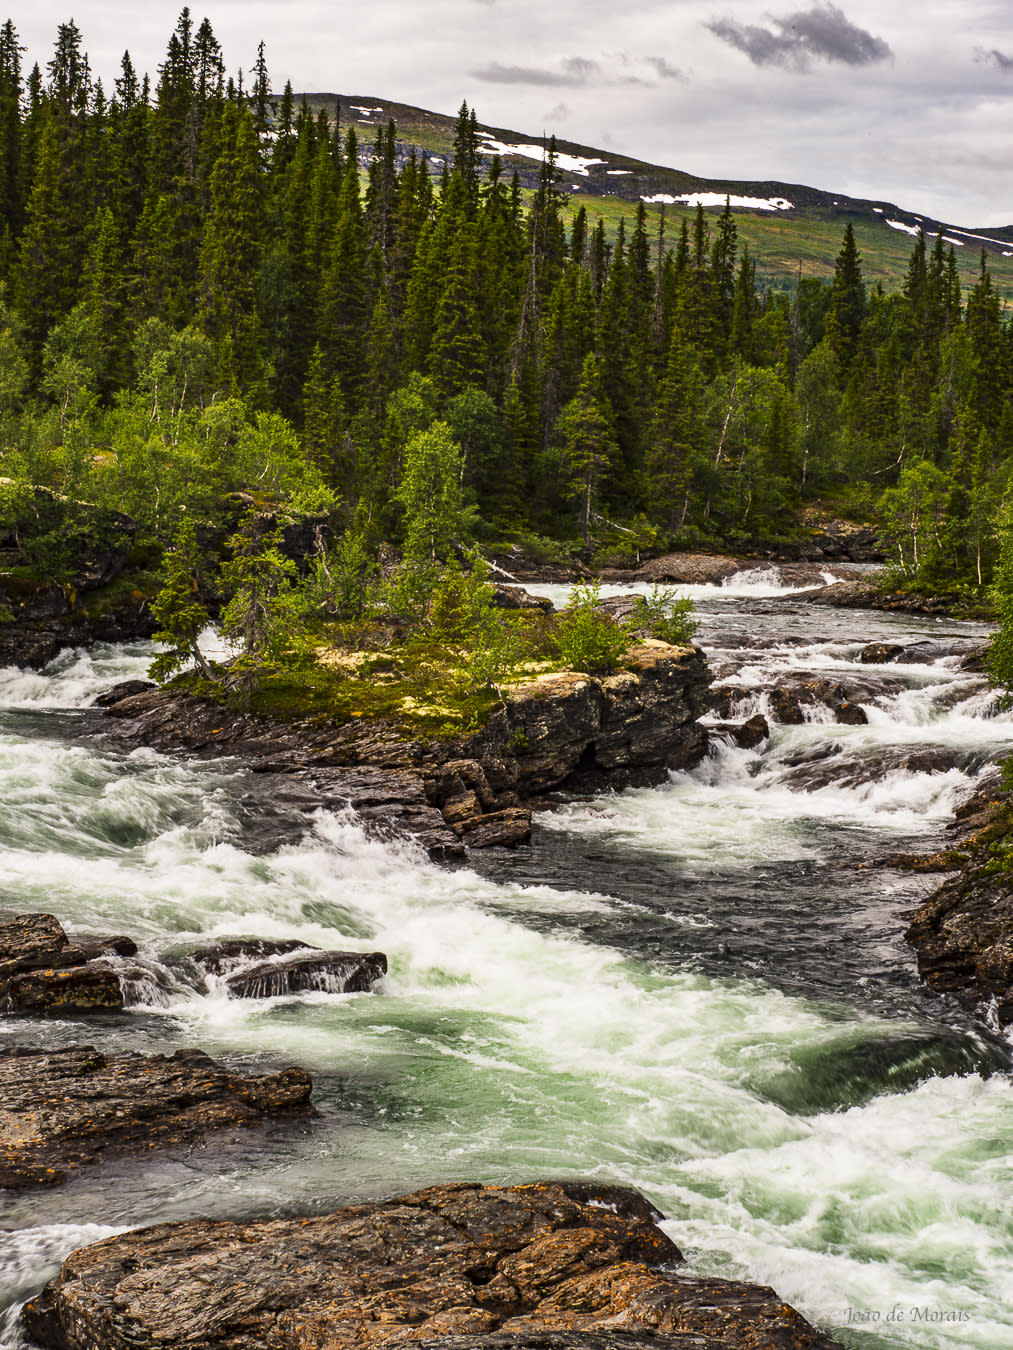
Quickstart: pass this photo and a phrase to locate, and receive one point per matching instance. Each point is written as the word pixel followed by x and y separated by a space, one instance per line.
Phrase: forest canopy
pixel 209 289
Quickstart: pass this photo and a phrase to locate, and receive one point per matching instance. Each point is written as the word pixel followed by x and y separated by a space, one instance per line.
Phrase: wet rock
pixel 42 971
pixel 851 715
pixel 309 971
pixel 222 958
pixel 30 940
pixel 499 1266
pixel 723 697
pixel 746 735
pixel 124 690
pixel 880 653
pixel 76 989
pixel 784 708
pixel 63 1110
pixel 786 703
pixel 502 829
pixel 751 732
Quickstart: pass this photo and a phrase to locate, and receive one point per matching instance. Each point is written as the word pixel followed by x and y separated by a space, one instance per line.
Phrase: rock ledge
pixel 480 1264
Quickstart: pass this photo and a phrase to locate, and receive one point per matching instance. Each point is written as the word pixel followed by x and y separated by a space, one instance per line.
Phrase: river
pixel 700 989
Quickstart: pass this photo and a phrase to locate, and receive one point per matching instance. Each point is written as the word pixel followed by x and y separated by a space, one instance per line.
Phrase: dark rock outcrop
pixel 66 1109
pixel 565 731
pixel 786 703
pixel 42 970
pixel 494 1266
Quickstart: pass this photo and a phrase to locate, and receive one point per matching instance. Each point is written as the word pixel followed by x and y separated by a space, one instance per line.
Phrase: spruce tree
pixel 231 251
pixel 847 306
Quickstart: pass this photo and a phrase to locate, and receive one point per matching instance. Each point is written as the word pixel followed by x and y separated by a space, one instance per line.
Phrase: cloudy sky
pixel 913 104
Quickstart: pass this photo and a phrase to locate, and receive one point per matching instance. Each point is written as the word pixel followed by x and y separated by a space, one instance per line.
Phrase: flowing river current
pixel 701 989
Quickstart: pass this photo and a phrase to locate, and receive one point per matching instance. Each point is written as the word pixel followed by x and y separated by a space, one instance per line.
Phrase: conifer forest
pixel 207 290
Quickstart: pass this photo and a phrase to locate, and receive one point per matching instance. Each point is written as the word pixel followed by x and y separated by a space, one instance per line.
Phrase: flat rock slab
pixel 489 1265
pixel 63 1110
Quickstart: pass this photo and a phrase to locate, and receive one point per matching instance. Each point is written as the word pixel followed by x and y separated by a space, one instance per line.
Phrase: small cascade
pixel 146 983
pixel 309 972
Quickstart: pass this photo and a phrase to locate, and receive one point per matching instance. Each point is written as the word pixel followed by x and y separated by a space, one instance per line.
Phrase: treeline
pixel 207 288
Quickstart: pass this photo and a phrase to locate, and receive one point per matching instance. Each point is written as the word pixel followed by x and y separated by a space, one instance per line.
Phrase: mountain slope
pixel 791 229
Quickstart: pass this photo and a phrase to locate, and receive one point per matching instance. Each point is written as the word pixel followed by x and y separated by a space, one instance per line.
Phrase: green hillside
pixel 803 239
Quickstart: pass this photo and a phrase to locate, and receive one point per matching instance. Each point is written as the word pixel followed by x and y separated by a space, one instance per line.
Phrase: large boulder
pixel 42 970
pixel 62 1110
pixel 503 1266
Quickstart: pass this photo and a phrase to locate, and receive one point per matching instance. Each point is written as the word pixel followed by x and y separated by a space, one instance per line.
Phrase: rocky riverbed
pixel 725 1031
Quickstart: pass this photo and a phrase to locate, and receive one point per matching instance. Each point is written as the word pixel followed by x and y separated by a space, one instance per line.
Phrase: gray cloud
pixel 574 71
pixel 794 40
pixel 993 57
pixel 664 70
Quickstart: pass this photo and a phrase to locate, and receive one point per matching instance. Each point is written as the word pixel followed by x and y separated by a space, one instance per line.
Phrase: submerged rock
pixel 484 1265
pixel 66 1109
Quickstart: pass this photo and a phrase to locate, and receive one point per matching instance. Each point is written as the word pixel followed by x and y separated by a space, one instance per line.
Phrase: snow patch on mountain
pixel 569 163
pixel 719 199
pixel 908 229
pixel 985 238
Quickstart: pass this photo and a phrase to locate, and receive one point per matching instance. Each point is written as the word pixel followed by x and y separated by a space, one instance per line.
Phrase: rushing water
pixel 700 989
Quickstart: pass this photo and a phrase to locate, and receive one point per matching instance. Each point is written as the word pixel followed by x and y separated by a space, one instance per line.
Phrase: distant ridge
pixel 593 172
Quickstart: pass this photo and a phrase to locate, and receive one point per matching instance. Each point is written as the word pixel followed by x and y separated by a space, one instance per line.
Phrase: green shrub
pixel 586 638
pixel 665 615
